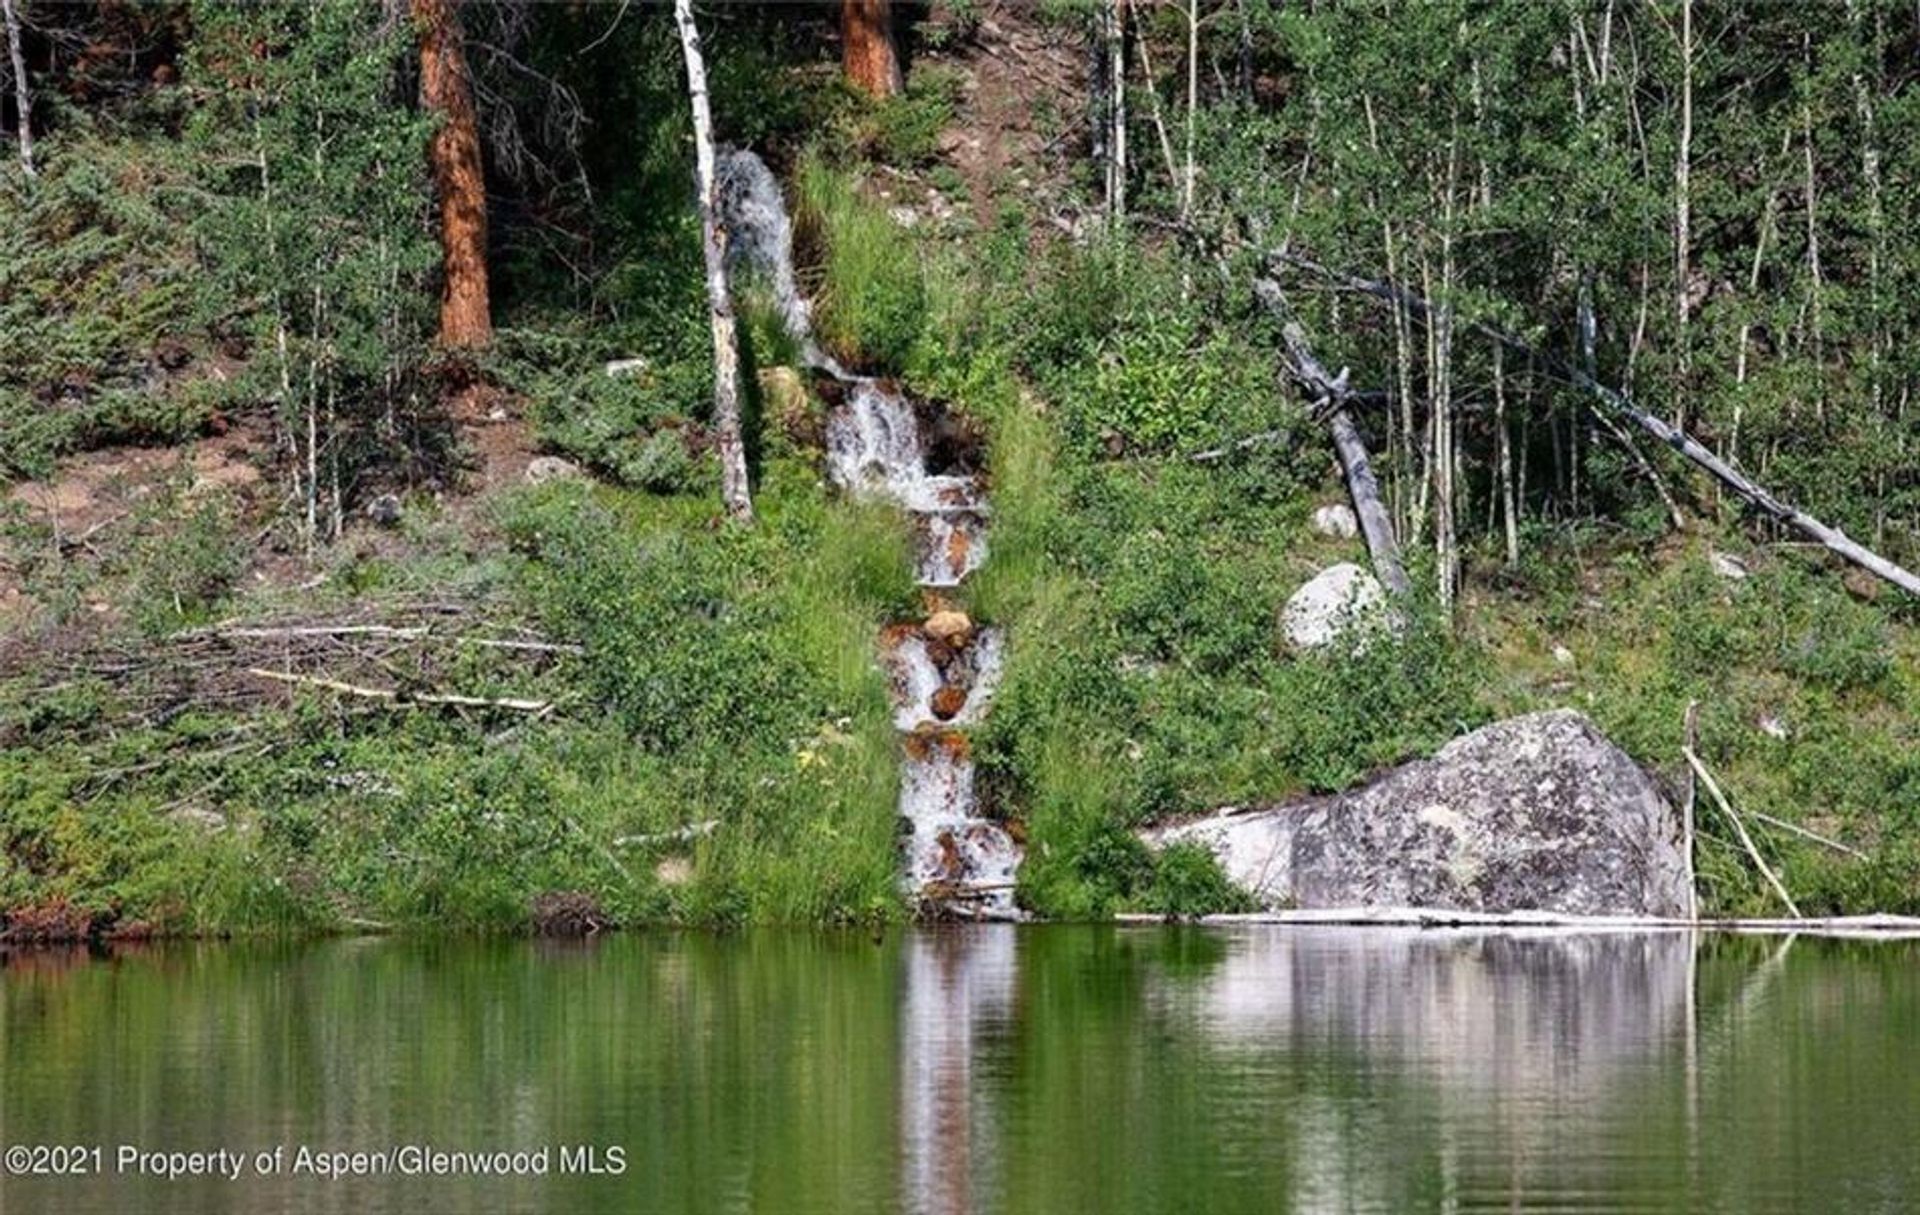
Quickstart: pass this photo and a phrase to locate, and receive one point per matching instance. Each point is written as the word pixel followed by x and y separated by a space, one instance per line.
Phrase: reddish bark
pixel 458 176
pixel 866 47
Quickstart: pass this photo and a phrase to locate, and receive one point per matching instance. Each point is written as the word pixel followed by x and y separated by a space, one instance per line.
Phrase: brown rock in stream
pixel 948 701
pixel 951 627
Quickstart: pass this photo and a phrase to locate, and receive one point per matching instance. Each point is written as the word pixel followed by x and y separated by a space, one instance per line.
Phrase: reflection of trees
pixel 1045 1070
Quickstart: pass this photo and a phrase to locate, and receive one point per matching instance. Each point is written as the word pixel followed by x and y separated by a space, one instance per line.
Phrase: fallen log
pixel 1831 538
pixel 1332 396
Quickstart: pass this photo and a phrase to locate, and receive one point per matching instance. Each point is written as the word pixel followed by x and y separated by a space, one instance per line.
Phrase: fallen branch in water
pixel 399 698
pixel 1720 799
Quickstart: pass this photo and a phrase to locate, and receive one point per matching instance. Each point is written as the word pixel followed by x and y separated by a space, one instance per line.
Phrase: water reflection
pixel 955 982
pixel 1048 1069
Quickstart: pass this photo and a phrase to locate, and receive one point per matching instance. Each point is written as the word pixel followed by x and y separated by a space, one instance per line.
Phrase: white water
pixel 954 859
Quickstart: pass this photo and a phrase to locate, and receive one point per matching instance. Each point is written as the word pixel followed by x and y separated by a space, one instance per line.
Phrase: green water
pixel 1042 1069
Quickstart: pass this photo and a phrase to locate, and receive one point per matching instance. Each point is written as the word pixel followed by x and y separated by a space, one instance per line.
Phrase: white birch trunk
pixel 22 95
pixel 726 348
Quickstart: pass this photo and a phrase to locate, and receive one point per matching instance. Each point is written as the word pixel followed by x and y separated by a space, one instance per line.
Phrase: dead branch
pixel 1815 836
pixel 1740 828
pixel 399 698
pixel 1833 539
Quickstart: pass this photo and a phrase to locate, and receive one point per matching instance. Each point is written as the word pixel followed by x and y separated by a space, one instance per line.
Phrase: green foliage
pixel 871 305
pixel 181 573
pixel 98 289
pixel 315 227
pixel 1188 881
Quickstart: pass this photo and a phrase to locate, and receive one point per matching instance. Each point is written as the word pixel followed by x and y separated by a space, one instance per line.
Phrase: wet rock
pixel 951 628
pixel 1540 812
pixel 1728 566
pixel 1339 599
pixel 542 469
pixel 948 701
pixel 1336 519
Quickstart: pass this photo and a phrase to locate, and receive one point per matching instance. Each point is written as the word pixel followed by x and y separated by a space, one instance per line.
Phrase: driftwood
pixel 1550 921
pixel 403 698
pixel 1618 403
pixel 1332 396
pixel 1740 828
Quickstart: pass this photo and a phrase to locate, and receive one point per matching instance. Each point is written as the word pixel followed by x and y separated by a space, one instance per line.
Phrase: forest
pixel 414 511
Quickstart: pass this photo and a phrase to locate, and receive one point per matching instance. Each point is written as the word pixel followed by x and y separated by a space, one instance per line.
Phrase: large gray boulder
pixel 1536 813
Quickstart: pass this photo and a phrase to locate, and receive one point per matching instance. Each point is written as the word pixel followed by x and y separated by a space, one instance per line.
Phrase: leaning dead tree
pixel 1332 399
pixel 1612 401
pixel 726 346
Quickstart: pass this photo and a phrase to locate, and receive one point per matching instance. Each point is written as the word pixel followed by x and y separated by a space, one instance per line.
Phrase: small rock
pixel 949 627
pixel 618 368
pixel 906 217
pixel 199 817
pixel 1336 600
pixel 542 469
pixel 1728 566
pixel 673 871
pixel 1336 519
pixel 1562 656
pixel 1773 727
pixel 497 414
pixel 384 510
pixel 948 701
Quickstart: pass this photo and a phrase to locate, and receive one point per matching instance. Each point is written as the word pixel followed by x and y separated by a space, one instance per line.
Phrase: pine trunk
pixel 459 178
pixel 866 47
pixel 726 348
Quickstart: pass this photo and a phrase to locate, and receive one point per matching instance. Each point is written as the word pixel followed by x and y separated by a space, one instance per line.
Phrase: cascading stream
pixel 942 670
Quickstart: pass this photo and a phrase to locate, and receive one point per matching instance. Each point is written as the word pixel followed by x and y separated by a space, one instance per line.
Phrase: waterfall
pixel 943 671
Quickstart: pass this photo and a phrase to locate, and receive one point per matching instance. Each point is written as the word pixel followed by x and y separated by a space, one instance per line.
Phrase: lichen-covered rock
pixel 1535 813
pixel 1338 599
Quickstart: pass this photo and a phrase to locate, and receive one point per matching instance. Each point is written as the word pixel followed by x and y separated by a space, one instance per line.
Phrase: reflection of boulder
pixel 1539 812
pixel 1489 1034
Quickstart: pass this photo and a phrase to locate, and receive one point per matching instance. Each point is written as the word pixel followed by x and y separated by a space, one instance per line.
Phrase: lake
pixel 1042 1069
